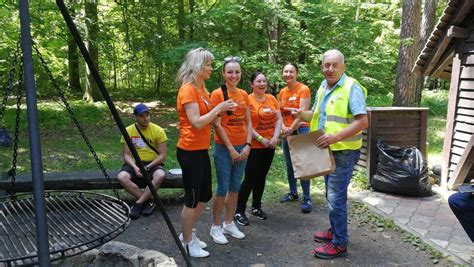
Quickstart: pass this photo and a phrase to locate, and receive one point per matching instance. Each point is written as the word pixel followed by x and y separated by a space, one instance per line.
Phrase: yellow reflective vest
pixel 338 115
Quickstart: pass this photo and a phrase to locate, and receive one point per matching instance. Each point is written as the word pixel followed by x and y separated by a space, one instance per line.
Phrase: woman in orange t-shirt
pixel 195 116
pixel 266 126
pixel 294 95
pixel 231 149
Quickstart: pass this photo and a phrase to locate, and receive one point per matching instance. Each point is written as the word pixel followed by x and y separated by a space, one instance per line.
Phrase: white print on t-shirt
pixel 293 98
pixel 138 141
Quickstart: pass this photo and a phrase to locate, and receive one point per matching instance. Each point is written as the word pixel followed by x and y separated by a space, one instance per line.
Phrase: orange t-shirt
pixel 291 99
pixel 234 125
pixel 264 117
pixel 191 138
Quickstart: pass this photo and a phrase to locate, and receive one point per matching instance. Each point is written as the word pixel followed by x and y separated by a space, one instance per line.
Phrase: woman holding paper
pixel 266 126
pixel 294 95
pixel 231 149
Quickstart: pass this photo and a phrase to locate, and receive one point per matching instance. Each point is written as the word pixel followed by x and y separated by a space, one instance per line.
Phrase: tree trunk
pixel 159 45
pixel 405 83
pixel 302 55
pixel 92 93
pixel 427 25
pixel 114 66
pixel 73 62
pixel 272 47
pixel 181 21
pixel 191 11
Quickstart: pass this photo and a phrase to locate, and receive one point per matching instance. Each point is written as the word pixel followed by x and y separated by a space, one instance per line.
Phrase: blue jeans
pixel 305 184
pixel 462 205
pixel 228 174
pixel 336 193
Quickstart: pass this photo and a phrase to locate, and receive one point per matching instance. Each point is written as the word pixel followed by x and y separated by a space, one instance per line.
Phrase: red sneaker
pixel 323 236
pixel 329 251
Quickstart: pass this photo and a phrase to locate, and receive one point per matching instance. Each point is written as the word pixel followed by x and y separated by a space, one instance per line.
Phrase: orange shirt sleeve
pixel 305 92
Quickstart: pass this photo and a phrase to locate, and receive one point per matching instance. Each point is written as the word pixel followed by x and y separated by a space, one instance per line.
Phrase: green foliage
pixel 359 180
pixel 436 101
pixel 140 50
pixel 379 100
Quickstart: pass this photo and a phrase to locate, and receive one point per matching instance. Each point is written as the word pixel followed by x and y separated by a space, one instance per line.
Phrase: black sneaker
pixel 306 205
pixel 259 214
pixel 288 198
pixel 241 219
pixel 148 207
pixel 135 210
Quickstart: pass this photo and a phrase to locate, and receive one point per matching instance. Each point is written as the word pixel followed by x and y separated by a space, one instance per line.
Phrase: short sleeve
pixel 187 94
pixel 305 92
pixel 246 97
pixel 161 136
pixel 216 97
pixel 357 103
pixel 274 102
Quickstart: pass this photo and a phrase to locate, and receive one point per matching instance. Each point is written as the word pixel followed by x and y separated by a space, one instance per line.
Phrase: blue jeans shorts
pixel 228 174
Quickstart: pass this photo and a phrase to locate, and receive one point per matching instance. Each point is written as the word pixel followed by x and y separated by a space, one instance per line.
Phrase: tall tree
pixel 159 45
pixel 191 12
pixel 181 21
pixel 92 93
pixel 73 61
pixel 427 25
pixel 405 83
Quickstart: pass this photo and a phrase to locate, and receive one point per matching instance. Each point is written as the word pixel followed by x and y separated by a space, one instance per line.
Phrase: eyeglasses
pixel 232 58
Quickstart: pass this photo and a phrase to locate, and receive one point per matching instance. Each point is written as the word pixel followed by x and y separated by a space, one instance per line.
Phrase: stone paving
pixel 430 218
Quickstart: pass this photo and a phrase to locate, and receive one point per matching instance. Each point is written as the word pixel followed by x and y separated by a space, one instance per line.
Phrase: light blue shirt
pixel 357 104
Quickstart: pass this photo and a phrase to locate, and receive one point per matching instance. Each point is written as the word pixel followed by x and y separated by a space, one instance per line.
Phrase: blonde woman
pixel 195 116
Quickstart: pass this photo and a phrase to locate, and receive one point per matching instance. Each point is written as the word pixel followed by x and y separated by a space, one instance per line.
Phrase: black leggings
pixel 197 177
pixel 258 165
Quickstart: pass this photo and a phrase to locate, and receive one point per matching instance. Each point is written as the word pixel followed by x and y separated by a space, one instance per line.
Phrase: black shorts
pixel 197 176
pixel 140 181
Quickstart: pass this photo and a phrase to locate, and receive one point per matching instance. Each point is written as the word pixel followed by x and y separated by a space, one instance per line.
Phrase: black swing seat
pixel 87 180
pixel 77 222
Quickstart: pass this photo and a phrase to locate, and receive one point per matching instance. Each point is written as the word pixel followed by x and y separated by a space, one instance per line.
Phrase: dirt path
pixel 282 240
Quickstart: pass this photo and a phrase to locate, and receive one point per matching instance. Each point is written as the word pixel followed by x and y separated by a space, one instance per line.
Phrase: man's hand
pixel 326 139
pixel 137 171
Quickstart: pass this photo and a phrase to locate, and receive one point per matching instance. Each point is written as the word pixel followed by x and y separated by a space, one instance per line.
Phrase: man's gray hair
pixel 335 52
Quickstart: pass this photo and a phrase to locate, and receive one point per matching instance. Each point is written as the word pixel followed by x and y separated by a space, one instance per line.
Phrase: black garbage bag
pixel 401 171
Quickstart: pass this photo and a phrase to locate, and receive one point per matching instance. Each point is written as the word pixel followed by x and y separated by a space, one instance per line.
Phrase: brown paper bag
pixel 308 160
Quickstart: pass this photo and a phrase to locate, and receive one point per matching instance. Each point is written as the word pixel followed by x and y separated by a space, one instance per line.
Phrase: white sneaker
pixel 195 251
pixel 195 239
pixel 217 235
pixel 231 229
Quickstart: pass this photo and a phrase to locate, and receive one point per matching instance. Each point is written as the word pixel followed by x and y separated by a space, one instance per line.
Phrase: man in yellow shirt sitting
pixel 149 141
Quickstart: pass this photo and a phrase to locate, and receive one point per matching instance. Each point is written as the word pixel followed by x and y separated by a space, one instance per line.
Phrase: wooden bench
pixel 87 180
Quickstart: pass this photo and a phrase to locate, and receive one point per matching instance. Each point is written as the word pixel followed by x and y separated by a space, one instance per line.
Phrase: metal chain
pixel 17 130
pixel 11 76
pixel 73 118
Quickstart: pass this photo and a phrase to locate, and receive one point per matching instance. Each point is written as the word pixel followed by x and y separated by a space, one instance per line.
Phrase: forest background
pixel 139 46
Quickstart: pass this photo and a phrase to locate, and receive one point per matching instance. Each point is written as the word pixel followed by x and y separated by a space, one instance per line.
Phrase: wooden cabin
pixel 449 55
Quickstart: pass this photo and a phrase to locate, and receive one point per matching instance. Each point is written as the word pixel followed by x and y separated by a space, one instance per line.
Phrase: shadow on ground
pixel 284 239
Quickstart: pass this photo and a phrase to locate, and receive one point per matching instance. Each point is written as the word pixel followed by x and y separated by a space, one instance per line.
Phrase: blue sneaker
pixel 288 197
pixel 306 206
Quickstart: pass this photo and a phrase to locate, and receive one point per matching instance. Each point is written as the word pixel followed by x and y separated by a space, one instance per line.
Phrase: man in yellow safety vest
pixel 339 110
